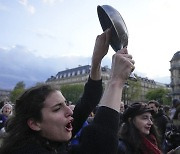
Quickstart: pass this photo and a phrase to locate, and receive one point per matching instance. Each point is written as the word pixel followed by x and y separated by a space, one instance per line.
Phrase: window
pixel 83 71
pixel 78 72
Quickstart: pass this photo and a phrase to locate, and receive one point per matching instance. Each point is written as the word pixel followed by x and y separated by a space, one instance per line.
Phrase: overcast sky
pixel 38 38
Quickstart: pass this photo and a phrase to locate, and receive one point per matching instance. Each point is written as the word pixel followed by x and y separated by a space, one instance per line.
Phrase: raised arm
pixel 122 65
pixel 101 135
pixel 100 50
pixel 93 88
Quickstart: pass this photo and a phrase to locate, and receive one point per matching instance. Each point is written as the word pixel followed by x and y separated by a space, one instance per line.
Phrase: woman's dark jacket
pixel 3 119
pixel 160 120
pixel 124 148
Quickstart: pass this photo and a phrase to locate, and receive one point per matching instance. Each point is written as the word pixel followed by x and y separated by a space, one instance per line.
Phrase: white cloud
pixel 44 33
pixel 71 30
pixel 23 2
pixel 3 7
pixel 30 8
pixel 19 64
pixel 51 1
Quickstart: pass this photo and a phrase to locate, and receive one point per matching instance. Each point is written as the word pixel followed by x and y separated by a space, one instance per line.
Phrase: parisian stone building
pixel 175 75
pixel 80 74
pixel 4 94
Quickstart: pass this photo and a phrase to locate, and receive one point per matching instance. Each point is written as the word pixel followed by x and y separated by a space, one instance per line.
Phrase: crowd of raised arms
pixel 43 122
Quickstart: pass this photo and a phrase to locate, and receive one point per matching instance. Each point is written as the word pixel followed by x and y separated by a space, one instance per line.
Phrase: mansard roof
pixel 79 68
pixel 176 56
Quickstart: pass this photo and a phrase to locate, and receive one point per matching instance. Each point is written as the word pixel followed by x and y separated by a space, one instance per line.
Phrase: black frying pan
pixel 111 18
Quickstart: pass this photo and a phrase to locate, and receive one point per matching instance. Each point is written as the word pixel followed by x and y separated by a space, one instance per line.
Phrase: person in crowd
pixel 122 107
pixel 166 110
pixel 91 117
pixel 137 134
pixel 44 124
pixel 175 104
pixel 121 111
pixel 172 135
pixel 6 111
pixel 159 118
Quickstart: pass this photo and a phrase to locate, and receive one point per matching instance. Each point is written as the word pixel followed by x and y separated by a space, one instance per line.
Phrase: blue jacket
pixel 3 120
pixel 124 148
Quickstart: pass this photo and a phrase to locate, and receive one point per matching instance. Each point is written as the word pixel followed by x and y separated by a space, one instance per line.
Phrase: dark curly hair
pixel 29 105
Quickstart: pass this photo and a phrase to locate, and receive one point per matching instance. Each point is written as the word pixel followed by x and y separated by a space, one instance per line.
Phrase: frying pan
pixel 109 17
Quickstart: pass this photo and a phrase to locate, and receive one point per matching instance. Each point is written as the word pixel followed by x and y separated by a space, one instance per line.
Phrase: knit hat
pixel 136 109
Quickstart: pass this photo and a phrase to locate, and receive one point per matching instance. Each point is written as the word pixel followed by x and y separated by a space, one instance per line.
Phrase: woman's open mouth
pixel 69 127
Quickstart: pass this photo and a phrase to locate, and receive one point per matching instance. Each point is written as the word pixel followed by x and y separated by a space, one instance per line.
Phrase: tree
pixel 72 92
pixel 159 94
pixel 134 90
pixel 20 85
pixel 131 91
pixel 39 83
pixel 17 91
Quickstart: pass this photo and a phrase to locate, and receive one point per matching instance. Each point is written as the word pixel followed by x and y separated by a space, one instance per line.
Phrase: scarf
pixel 150 145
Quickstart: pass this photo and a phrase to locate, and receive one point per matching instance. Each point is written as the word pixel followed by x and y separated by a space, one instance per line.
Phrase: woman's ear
pixel 34 125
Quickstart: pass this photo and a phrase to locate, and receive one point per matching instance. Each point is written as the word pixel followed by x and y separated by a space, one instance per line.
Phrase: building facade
pixel 80 74
pixel 175 75
pixel 4 94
